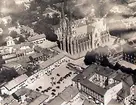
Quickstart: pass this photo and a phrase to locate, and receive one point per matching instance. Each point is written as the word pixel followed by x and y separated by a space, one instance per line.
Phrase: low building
pixel 14 85
pixel 56 101
pixel 29 97
pixel 37 39
pixel 127 64
pixel 101 84
pixel 49 12
pixel 68 96
pixel 129 54
pixel 9 101
pixel 19 67
pixel 41 41
pixel 37 57
pixel 113 54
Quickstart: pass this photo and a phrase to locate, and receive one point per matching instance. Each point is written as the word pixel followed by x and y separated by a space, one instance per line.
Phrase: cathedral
pixel 75 37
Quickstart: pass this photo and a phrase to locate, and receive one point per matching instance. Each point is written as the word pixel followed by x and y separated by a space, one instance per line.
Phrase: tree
pixel 31 59
pixel 21 39
pixel 13 34
pixel 43 28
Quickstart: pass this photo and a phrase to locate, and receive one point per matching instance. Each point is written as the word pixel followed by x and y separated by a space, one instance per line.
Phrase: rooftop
pixel 15 82
pixel 51 60
pixel 89 71
pixel 35 97
pixel 56 101
pixel 98 69
pixel 39 100
pixel 127 64
pixel 36 37
pixel 86 102
pixel 7 100
pixel 69 93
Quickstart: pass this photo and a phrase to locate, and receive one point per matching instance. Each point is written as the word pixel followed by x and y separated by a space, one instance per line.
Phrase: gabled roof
pixel 15 82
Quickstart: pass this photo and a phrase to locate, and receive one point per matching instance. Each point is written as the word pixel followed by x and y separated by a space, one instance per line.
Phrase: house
pixel 10 41
pixel 52 61
pixel 56 101
pixel 37 39
pixel 41 41
pixel 37 57
pixel 49 12
pixel 129 53
pixel 17 52
pixel 102 84
pixel 17 66
pixel 29 97
pixel 127 64
pixel 14 84
pixel 40 100
pixel 9 101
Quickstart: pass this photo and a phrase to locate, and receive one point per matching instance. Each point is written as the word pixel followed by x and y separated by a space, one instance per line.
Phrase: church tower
pixel 100 35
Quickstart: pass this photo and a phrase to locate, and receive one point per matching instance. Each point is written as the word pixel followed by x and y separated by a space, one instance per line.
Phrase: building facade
pixel 101 85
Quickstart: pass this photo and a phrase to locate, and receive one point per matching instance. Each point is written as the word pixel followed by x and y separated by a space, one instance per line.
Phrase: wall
pixel 112 93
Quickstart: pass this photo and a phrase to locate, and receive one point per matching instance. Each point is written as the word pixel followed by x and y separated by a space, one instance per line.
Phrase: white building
pixel 14 85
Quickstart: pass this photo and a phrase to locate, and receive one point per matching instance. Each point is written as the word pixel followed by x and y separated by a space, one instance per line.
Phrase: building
pixel 112 53
pixel 9 101
pixel 14 84
pixel 67 97
pixel 102 84
pixel 49 12
pixel 29 97
pixel 18 66
pixel 17 52
pixel 78 36
pixel 37 39
pixel 129 54
pixel 41 41
pixel 127 64
pixel 10 41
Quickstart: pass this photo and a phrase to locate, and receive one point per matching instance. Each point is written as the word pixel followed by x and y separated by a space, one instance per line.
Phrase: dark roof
pixel 94 68
pixel 99 90
pixel 84 81
pixel 39 100
pixel 69 93
pixel 123 93
pixel 22 91
pixel 130 80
